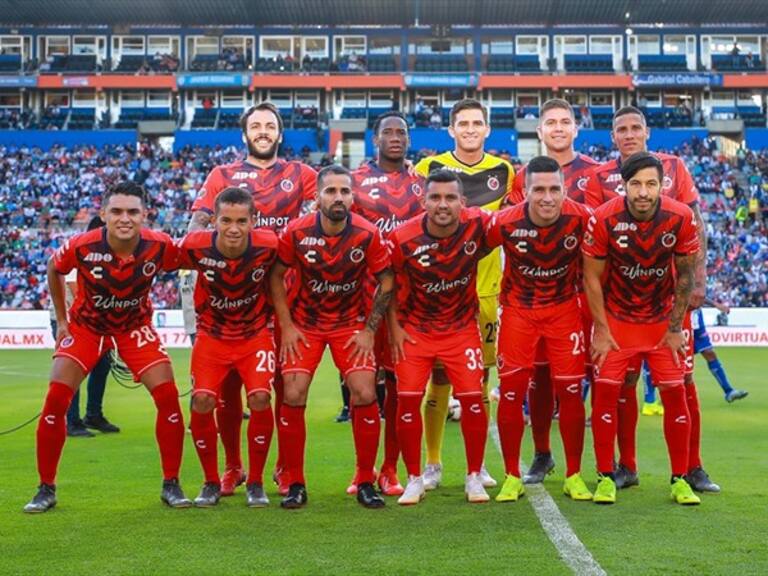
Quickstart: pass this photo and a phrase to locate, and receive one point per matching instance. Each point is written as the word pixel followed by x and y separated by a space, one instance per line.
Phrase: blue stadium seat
pixel 381 63
pixel 502 117
pixel 441 63
pixel 588 63
pixel 729 63
pixel 82 119
pixel 204 118
pixel 10 63
pixel 662 63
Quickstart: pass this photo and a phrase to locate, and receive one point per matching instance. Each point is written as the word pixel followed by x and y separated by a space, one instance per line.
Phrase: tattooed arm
pixel 700 270
pixel 362 343
pixel 674 339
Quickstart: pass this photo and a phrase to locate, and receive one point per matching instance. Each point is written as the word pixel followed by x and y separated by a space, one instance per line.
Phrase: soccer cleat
pixel 542 464
pixel 512 489
pixel 433 475
pixel 486 478
pixel 343 415
pixel 209 495
pixel 652 409
pixel 474 489
pixel 576 489
pixel 352 488
pixel 255 496
pixel 44 500
pixel 699 480
pixel 173 495
pixel 415 491
pixel 625 477
pixel 389 484
pixel 101 424
pixel 367 496
pixel 280 478
pixel 231 479
pixel 77 430
pixel 734 395
pixel 605 493
pixel 682 493
pixel 296 498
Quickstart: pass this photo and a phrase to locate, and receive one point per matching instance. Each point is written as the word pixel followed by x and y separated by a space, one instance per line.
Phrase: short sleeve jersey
pixel 278 191
pixel 329 291
pixel 541 264
pixel 639 281
pixel 574 175
pixel 113 292
pixel 436 277
pixel 231 293
pixel 386 199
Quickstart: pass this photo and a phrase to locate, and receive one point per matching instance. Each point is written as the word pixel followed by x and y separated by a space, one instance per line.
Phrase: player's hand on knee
pixel 602 344
pixel 291 339
pixel 397 339
pixel 675 341
pixel 62 331
pixel 362 346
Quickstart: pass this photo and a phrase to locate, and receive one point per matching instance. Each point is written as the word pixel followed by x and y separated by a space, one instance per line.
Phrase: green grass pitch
pixel 110 521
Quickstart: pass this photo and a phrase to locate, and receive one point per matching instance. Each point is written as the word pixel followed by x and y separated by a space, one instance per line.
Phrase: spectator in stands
pixel 586 118
pixel 735 50
pixel 436 119
pixel 750 60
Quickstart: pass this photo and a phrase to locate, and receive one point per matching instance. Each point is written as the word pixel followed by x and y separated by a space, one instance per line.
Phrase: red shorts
pixel 140 349
pixel 542 358
pixel 521 330
pixel 460 352
pixel 638 342
pixel 253 359
pixel 313 353
pixel 383 350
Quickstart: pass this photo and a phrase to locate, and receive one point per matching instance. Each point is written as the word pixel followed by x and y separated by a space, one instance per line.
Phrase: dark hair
pixel 234 195
pixel 624 110
pixel 468 104
pixel 332 169
pixel 637 162
pixel 541 165
pixel 390 114
pixel 126 188
pixel 261 106
pixel 443 175
pixel 556 104
pixel 95 222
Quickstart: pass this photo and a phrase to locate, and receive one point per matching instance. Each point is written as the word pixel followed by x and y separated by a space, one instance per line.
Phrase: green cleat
pixel 576 488
pixel 605 493
pixel 511 490
pixel 683 494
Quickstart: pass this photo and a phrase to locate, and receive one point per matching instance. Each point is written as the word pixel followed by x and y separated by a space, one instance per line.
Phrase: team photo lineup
pixel 569 278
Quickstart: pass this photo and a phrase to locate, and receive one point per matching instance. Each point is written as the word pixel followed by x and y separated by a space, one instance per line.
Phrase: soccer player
pixel 630 134
pixel 387 194
pixel 332 253
pixel 557 131
pixel 435 257
pixel 639 259
pixel 541 239
pixel 233 262
pixel 281 190
pixel 486 180
pixel 115 269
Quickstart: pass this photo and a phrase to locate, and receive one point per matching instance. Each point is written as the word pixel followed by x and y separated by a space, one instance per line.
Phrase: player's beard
pixel 268 155
pixel 335 215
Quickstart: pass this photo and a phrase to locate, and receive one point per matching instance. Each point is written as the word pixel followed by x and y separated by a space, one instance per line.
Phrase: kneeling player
pixel 233 263
pixel 115 269
pixel 435 257
pixel 332 252
pixel 541 239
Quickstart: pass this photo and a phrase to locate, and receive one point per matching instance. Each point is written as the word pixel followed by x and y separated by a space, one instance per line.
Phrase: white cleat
pixel 433 475
pixel 414 491
pixel 473 488
pixel 486 478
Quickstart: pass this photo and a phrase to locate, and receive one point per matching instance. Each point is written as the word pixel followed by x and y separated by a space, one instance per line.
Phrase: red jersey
pixel 278 191
pixel 639 284
pixel 574 174
pixel 542 265
pixel 386 199
pixel 436 277
pixel 329 292
pixel 113 292
pixel 231 293
pixel 604 182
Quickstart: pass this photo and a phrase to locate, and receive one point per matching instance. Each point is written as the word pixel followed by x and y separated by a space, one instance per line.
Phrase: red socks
pixel 677 427
pixel 229 417
pixel 474 428
pixel 278 386
pixel 605 398
pixel 203 427
pixel 52 430
pixel 410 430
pixel 169 428
pixel 391 447
pixel 571 423
pixel 627 430
pixel 694 448
pixel 260 427
pixel 509 418
pixel 366 428
pixel 292 434
pixel 541 403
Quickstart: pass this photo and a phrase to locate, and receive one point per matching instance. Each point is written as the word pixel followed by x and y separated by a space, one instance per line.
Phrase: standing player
pixel 630 134
pixel 486 180
pixel 387 194
pixel 332 252
pixel 233 263
pixel 557 130
pixel 541 239
pixel 115 266
pixel 640 254
pixel 435 257
pixel 281 191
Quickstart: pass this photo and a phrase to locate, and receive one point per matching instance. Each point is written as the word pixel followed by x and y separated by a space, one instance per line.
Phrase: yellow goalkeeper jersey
pixel 485 185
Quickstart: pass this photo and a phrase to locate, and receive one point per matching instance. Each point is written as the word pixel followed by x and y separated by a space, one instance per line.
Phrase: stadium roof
pixel 381 12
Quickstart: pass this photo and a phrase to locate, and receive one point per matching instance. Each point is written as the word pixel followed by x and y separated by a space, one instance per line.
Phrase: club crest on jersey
pixel 570 242
pixel 668 240
pixel 416 190
pixel 470 247
pixel 666 183
pixel 149 269
pixel 286 185
pixel 493 183
pixel 357 255
pixel 67 342
pixel 581 183
pixel 257 275
pixel 98 257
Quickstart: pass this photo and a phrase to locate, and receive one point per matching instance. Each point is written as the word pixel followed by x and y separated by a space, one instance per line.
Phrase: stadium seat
pixel 588 63
pixel 82 119
pixel 662 63
pixel 10 63
pixel 729 63
pixel 204 118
